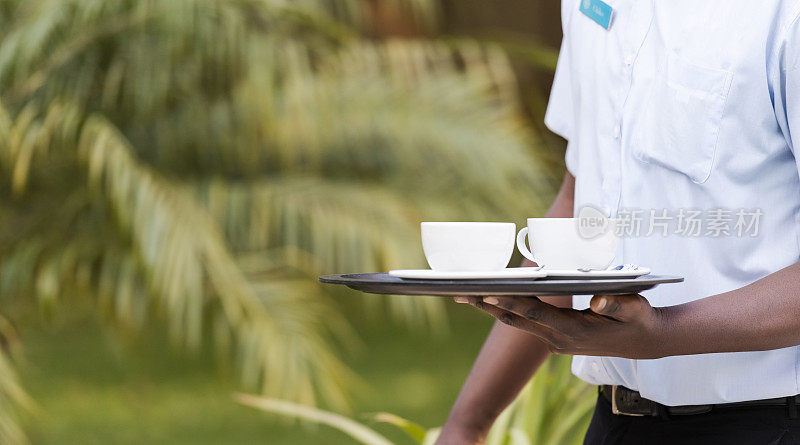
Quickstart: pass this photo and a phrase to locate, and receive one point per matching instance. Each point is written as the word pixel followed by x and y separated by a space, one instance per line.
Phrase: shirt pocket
pixel 681 121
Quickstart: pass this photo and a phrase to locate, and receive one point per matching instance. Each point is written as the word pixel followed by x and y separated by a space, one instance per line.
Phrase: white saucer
pixel 509 273
pixel 574 273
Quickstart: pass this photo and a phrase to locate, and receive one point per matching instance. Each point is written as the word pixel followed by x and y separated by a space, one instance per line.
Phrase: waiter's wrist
pixel 665 332
pixel 458 432
pixel 683 330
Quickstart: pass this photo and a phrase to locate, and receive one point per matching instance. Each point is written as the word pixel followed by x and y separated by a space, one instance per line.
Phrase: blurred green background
pixel 175 174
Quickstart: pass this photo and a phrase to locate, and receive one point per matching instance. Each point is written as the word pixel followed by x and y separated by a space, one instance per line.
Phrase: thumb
pixel 620 307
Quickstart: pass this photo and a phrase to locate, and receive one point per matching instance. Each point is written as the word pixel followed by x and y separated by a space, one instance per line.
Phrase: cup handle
pixel 523 249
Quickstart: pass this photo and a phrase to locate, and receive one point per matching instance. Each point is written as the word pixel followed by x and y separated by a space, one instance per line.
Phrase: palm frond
pixel 360 433
pixel 169 249
pixel 328 225
pixel 14 401
pixel 180 248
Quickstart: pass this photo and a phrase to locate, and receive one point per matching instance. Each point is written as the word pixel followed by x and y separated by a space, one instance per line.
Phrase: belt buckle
pixel 615 409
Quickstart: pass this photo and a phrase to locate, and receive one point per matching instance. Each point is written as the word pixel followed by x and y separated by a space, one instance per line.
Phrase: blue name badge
pixel 599 11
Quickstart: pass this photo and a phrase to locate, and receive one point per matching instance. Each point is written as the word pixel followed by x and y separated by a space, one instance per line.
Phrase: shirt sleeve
pixel 560 113
pixel 786 91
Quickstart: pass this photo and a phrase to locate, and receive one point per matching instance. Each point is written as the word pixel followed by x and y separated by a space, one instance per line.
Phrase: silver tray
pixel 382 283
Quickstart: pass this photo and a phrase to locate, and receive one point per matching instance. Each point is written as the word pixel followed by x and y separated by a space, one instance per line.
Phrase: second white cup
pixel 559 243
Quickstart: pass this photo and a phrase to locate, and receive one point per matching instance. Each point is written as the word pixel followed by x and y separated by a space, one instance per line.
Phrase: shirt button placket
pixel 638 25
pixel 611 183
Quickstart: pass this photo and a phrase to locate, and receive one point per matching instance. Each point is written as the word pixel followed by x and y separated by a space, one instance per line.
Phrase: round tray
pixel 382 283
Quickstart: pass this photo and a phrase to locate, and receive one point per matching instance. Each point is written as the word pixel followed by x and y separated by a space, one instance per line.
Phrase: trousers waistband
pixel 628 402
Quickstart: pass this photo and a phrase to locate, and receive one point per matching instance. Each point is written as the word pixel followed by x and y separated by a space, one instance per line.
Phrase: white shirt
pixel 688 105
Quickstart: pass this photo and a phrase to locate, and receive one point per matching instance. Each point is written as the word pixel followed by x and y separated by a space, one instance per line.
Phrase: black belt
pixel 628 402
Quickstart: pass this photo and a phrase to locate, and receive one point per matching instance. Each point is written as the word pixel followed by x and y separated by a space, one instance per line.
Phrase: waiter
pixel 671 108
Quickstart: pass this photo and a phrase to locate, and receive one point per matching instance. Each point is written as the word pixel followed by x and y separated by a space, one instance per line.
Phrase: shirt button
pixel 617 131
pixel 629 60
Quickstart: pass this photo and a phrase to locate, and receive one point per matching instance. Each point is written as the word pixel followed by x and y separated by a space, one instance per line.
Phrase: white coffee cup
pixel 563 243
pixel 468 246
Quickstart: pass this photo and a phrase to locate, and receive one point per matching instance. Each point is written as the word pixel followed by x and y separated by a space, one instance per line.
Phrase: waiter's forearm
pixel 507 361
pixel 761 316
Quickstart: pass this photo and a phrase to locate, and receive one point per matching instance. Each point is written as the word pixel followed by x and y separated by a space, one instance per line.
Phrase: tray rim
pixel 377 283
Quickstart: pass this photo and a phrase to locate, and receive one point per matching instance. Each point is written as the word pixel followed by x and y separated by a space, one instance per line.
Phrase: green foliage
pixel 415 431
pixel 554 408
pixel 202 161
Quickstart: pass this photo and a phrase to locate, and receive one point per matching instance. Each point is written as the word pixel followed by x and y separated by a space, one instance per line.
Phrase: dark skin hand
pixel 619 326
pixel 761 316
